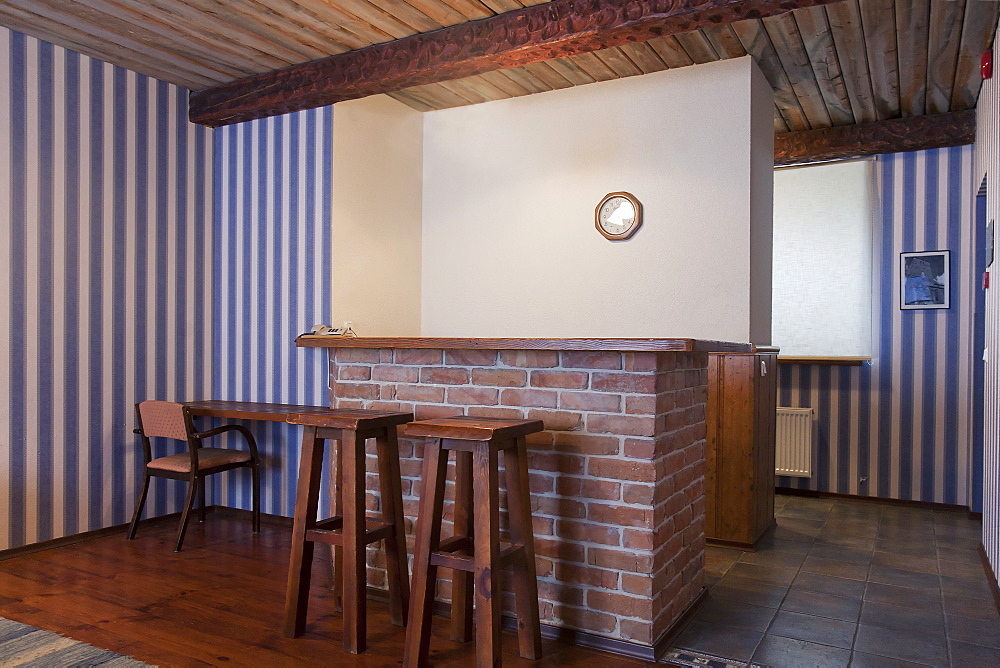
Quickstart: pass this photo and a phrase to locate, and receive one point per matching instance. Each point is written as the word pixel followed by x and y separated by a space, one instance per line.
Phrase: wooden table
pixel 249 410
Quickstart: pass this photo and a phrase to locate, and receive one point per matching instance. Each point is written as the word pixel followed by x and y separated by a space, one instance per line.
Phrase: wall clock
pixel 618 216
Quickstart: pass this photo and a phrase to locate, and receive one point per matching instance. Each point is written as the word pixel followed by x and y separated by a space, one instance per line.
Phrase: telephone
pixel 326 330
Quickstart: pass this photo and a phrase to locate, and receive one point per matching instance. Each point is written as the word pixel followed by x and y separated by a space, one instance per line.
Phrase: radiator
pixel 793 442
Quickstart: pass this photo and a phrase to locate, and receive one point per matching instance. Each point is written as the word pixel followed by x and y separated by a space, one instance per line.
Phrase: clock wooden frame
pixel 636 223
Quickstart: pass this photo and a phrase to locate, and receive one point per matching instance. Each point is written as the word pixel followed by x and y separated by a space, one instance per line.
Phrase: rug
pixel 688 659
pixel 23 645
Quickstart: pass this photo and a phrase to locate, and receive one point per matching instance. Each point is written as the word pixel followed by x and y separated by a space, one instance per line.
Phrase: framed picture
pixel 924 280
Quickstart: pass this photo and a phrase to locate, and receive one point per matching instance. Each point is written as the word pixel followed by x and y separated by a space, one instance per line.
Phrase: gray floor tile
pixel 724 641
pixel 905 562
pixel 729 613
pixel 971 588
pixel 813 629
pixel 958 554
pixel 836 568
pixel 924 620
pixel 775 543
pixel 968 606
pixel 962 570
pixel 913 548
pixel 822 605
pixel 967 655
pixel 862 660
pixel 774 558
pixel 828 584
pixel 775 575
pixel 906 645
pixel 840 553
pixel 984 632
pixel 778 652
pixel 902 578
pixel 902 596
pixel 746 591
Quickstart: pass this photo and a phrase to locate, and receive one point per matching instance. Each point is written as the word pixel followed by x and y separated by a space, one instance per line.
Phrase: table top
pixel 249 410
pixel 611 344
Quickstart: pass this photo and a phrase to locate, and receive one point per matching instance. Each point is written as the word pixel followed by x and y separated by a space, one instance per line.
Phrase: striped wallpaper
pixel 988 167
pixel 271 272
pixel 104 261
pixel 146 257
pixel 900 427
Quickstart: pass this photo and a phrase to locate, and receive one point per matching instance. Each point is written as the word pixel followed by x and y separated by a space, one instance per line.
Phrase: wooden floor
pixel 218 602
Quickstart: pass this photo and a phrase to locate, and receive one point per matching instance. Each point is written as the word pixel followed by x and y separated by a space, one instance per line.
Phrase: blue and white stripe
pixel 106 189
pixel 903 422
pixel 146 257
pixel 272 280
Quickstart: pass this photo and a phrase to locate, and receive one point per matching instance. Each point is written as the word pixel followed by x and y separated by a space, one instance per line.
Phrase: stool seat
pixel 468 428
pixel 350 531
pixel 474 553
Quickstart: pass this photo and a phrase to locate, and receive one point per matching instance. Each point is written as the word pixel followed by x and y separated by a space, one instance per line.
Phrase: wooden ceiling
pixel 851 62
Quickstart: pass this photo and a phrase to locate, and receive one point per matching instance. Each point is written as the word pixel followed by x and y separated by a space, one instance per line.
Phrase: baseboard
pixel 632 650
pixel 991 576
pixel 927 505
pixel 81 537
pixel 73 539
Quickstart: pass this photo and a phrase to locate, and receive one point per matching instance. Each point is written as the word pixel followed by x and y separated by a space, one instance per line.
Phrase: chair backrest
pixel 163 418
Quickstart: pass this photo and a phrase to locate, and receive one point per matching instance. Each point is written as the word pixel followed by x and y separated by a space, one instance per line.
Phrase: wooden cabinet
pixel 739 457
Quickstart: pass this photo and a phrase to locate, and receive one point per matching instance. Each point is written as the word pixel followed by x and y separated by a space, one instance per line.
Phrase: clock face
pixel 618 216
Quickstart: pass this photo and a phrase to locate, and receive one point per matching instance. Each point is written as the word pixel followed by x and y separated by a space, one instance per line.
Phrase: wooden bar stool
pixel 476 443
pixel 349 531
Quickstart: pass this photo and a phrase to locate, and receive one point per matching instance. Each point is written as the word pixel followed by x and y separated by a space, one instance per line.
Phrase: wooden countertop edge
pixel 612 344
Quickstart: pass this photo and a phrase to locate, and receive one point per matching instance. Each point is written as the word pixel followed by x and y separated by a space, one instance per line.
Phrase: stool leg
pixel 392 511
pixel 337 510
pixel 418 628
pixel 461 581
pixel 487 554
pixel 355 566
pixel 300 562
pixel 529 636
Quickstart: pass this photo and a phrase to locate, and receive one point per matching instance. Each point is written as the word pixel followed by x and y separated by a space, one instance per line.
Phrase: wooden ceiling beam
pixel 897 135
pixel 512 39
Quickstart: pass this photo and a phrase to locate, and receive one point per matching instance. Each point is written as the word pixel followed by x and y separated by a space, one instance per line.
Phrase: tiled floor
pixel 851 583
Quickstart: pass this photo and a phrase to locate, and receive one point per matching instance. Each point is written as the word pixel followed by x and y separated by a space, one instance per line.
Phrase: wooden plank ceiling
pixel 855 61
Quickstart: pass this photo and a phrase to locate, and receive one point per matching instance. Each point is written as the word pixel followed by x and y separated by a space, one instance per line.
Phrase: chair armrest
pixel 231 427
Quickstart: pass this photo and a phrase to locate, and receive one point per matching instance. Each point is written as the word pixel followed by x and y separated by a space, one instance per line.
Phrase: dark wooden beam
pixel 530 35
pixel 892 136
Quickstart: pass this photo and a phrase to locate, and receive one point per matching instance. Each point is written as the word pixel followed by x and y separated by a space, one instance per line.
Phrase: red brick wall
pixel 617 477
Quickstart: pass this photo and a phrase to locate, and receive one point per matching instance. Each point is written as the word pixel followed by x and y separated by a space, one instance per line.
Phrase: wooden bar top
pixel 617 345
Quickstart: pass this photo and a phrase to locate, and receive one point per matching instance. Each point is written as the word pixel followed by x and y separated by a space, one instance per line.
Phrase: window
pixel 822 266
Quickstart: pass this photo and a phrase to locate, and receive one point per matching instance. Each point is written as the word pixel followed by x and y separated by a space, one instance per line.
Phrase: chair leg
pixel 255 474
pixel 138 506
pixel 461 581
pixel 392 512
pixel 418 627
pixel 186 515
pixel 529 636
pixel 300 561
pixel 487 555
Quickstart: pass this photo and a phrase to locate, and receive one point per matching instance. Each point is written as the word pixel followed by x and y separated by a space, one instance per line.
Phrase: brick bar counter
pixel 617 477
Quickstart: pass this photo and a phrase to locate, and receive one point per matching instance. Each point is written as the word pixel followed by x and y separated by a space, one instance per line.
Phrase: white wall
pixel 509 245
pixel 377 156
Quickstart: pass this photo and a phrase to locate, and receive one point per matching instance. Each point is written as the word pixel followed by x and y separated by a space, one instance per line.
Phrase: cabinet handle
pixel 763 368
